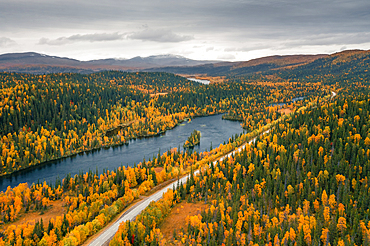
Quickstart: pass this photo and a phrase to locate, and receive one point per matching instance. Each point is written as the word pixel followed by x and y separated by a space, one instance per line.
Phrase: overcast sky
pixel 205 30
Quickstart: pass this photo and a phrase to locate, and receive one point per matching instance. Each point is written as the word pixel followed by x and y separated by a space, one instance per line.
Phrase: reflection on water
pixel 213 129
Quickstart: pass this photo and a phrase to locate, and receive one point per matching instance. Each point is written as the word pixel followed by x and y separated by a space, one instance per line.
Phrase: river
pixel 213 130
pixel 202 81
pixel 282 104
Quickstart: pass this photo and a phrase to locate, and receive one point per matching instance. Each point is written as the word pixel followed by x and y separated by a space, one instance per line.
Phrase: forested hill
pixel 35 63
pixel 304 183
pixel 286 67
pixel 342 67
pixel 243 68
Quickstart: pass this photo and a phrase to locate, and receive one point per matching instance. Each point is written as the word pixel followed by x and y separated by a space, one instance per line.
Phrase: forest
pixel 46 117
pixel 303 182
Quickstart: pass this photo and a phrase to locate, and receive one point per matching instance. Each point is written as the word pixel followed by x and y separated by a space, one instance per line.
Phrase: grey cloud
pixel 283 42
pixel 250 47
pixel 159 35
pixel 237 16
pixel 239 25
pixel 327 39
pixel 96 37
pixel 5 42
pixel 226 57
pixel 199 15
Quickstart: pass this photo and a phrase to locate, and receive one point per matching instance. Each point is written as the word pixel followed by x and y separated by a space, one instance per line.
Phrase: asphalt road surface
pixel 136 209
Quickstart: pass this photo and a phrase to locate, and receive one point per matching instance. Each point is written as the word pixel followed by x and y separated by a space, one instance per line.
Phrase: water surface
pixel 203 81
pixel 213 130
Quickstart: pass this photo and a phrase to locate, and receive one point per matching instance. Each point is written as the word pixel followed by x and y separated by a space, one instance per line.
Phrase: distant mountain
pixel 300 64
pixel 243 68
pixel 39 63
pixel 151 61
pixel 32 58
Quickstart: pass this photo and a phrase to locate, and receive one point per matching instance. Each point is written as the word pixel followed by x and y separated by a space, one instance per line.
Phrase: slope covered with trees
pixel 304 183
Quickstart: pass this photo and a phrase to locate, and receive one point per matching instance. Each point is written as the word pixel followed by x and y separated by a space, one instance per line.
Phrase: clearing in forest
pixel 177 218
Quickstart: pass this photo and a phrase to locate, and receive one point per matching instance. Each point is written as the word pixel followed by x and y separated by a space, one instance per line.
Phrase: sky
pixel 233 30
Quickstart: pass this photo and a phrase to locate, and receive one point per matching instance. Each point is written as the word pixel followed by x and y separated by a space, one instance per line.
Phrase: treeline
pixel 304 183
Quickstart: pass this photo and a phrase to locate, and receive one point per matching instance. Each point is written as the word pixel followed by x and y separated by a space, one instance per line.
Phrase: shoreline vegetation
pixel 126 142
pixel 115 130
pixel 123 186
pixel 110 132
pixel 193 139
pixel 123 195
pixel 183 192
pixel 115 190
pixel 303 179
pixel 49 117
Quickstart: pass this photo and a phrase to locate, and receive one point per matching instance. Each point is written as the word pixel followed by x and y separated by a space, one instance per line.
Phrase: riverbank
pixel 249 137
pixel 106 234
pixel 95 149
pixel 213 129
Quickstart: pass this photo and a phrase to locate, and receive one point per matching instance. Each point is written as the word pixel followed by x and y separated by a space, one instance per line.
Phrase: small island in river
pixel 193 140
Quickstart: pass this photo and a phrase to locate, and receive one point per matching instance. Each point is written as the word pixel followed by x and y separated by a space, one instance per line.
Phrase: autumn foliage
pixel 304 183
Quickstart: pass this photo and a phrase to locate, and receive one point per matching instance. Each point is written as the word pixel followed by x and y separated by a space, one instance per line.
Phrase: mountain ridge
pixel 32 62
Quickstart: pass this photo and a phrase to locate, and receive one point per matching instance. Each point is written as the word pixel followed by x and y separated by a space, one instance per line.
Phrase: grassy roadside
pixel 229 148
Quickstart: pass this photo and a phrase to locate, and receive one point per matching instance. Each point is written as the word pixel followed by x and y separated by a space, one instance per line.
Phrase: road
pixel 136 209
pixel 333 94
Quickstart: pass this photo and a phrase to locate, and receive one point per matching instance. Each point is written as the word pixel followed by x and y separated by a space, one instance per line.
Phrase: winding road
pixel 135 210
pixel 333 94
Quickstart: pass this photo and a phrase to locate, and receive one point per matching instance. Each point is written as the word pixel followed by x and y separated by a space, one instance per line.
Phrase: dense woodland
pixel 303 183
pixel 92 200
pixel 46 117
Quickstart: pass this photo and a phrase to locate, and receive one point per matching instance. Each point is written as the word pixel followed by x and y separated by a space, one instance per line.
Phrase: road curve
pixel 136 209
pixel 333 94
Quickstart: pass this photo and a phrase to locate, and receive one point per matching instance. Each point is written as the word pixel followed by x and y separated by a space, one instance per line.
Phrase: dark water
pixel 213 130
pixel 282 104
